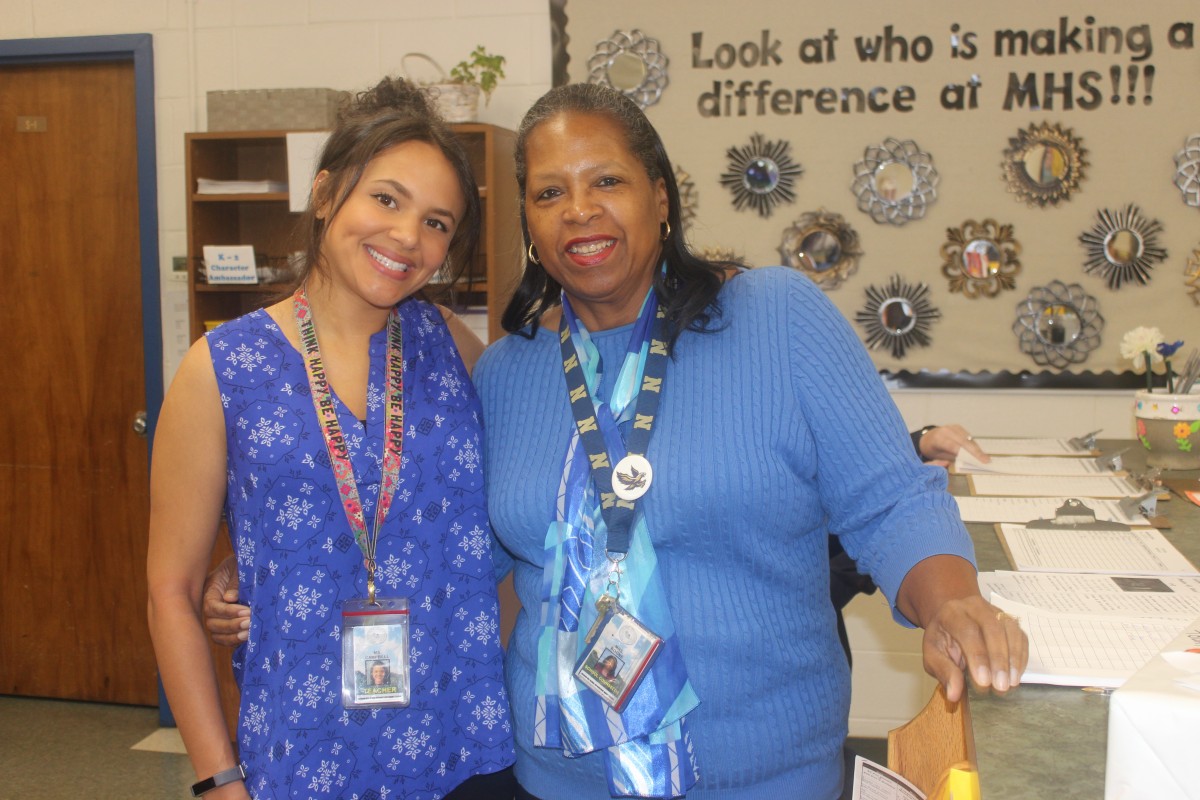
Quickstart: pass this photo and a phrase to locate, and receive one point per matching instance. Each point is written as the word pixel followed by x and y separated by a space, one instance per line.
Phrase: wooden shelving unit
pixel 264 222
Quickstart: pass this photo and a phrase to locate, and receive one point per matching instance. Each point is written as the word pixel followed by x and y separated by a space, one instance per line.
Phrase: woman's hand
pixel 941 445
pixel 962 630
pixel 227 622
pixel 974 635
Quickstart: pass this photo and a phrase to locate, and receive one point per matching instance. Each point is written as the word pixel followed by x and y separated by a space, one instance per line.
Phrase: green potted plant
pixel 457 94
pixel 482 69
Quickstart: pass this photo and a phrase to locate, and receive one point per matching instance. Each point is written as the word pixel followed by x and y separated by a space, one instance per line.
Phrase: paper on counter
pixel 1108 595
pixel 967 464
pixel 1135 552
pixel 1053 486
pixel 1089 650
pixel 1029 447
pixel 1028 509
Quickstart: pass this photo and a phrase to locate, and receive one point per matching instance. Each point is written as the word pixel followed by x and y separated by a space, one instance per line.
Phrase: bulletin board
pixel 1047 155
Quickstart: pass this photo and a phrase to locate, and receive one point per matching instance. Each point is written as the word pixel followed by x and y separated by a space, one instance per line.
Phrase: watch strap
pixel 220 779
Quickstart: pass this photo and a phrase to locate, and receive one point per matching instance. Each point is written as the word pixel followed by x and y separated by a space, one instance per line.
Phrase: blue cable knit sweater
pixel 773 431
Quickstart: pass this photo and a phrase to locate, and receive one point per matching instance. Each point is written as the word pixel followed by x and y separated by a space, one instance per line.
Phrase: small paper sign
pixel 230 263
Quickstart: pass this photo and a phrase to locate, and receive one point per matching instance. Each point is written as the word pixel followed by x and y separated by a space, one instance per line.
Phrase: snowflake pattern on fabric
pixel 298 562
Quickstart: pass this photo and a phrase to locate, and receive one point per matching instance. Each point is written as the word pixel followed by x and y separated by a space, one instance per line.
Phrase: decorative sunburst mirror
pixel 1122 246
pixel 823 246
pixel 1044 164
pixel 1191 276
pixel 895 182
pixel 688 199
pixel 897 316
pixel 1187 171
pixel 1058 325
pixel 980 258
pixel 761 175
pixel 633 64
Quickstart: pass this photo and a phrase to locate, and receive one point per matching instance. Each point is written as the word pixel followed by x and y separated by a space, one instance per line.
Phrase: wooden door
pixel 74 494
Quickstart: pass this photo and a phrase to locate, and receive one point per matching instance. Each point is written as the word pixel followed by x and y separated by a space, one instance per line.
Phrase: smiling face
pixel 594 215
pixel 393 231
pixel 378 674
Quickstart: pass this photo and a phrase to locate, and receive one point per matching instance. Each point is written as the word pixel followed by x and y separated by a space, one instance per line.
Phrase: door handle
pixel 140 424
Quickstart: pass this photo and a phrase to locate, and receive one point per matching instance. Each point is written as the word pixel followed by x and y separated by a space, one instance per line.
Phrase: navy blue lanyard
pixel 617 513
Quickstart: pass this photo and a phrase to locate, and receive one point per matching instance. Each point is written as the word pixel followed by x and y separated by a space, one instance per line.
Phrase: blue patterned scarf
pixel 648 749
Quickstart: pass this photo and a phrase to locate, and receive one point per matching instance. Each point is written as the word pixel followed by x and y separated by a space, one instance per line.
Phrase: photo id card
pixel 618 652
pixel 375 653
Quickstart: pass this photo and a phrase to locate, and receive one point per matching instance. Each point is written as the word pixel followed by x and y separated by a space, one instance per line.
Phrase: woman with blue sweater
pixel 668 444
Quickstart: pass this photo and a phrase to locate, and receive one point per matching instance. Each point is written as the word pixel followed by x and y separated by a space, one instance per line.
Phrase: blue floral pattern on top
pixel 298 562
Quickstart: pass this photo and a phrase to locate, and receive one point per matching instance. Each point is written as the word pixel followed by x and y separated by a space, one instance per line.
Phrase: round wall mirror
pixel 1043 164
pixel 897 316
pixel 1058 325
pixel 1191 276
pixel 633 64
pixel 821 245
pixel 895 182
pixel 626 71
pixel 1122 246
pixel 1187 171
pixel 980 258
pixel 820 251
pixel 761 175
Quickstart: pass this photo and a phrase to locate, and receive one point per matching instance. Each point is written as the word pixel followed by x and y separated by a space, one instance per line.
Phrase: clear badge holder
pixel 375 667
pixel 618 651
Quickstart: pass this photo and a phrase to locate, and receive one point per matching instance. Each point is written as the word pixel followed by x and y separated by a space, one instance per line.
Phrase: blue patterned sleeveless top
pixel 298 561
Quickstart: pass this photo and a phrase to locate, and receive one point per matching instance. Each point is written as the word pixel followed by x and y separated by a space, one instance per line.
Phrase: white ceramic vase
pixel 1168 426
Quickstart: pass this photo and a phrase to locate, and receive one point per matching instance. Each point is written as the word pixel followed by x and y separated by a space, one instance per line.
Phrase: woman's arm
pixel 187 492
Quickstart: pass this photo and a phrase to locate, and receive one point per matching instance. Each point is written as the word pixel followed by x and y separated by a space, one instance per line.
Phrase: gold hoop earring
pixel 532 257
pixel 667 235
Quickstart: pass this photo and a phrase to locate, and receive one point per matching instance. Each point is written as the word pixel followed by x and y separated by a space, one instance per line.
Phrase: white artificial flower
pixel 1140 341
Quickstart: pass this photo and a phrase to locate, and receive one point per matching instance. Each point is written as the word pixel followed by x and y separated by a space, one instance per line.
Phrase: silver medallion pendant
pixel 632 477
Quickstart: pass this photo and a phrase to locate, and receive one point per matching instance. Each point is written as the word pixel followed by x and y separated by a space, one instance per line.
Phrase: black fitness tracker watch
pixel 220 779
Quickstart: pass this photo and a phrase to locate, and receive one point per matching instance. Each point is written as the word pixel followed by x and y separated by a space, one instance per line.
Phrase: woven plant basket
pixel 456 102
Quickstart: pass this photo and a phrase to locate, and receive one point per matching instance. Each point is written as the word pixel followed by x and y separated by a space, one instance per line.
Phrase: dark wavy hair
pixel 390 113
pixel 688 289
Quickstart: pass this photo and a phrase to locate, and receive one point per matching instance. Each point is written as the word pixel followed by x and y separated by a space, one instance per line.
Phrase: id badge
pixel 618 651
pixel 375 653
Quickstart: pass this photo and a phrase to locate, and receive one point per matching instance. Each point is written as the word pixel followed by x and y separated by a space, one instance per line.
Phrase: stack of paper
pixel 1051 486
pixel 1030 447
pixel 967 464
pixel 209 186
pixel 1096 603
